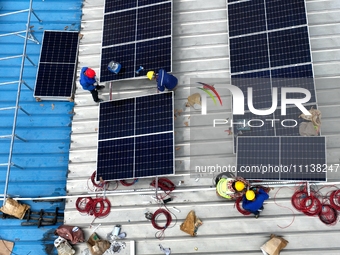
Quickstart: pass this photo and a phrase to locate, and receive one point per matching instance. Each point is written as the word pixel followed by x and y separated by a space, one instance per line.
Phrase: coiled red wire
pixel 239 207
pixel 125 183
pixel 156 214
pixel 164 184
pixel 98 207
pixel 328 214
pixel 334 199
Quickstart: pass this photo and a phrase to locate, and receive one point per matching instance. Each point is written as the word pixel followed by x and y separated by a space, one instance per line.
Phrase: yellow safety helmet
pixel 150 75
pixel 239 186
pixel 250 195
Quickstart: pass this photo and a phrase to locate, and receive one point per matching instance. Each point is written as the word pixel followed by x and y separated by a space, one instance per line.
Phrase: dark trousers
pixel 94 94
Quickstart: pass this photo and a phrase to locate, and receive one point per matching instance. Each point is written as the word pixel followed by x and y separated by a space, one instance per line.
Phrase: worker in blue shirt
pixel 164 80
pixel 254 202
pixel 89 82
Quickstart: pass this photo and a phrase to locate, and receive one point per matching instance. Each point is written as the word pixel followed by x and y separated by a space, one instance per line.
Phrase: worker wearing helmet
pixel 163 79
pixel 89 82
pixel 231 188
pixel 253 201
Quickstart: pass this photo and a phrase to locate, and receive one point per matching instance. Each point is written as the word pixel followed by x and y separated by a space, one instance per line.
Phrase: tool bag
pixel 191 224
pixel 96 245
pixel 71 233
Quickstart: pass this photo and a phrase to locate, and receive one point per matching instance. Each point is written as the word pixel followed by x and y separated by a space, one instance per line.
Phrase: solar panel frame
pixel 289 160
pixel 157 148
pixel 66 87
pixel 161 57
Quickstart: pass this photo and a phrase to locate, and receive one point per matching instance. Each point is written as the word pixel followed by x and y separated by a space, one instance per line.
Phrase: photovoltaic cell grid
pixel 274 124
pixel 58 56
pixel 270 35
pixel 136 33
pixel 136 137
pixel 282 158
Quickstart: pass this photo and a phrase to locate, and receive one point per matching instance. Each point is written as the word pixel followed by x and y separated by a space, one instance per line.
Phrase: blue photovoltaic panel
pixel 249 53
pixel 51 83
pixel 58 56
pixel 295 76
pixel 126 54
pixel 117 5
pixel 150 118
pixel 119 23
pixel 154 21
pixel 283 13
pixel 288 47
pixel 117 119
pixel 261 126
pixel 154 155
pixel 115 159
pixel 136 137
pixel 292 113
pixel 154 54
pixel 254 153
pixel 59 47
pixel 136 33
pixel 282 158
pixel 147 2
pixel 261 86
pixel 253 17
pixel 305 157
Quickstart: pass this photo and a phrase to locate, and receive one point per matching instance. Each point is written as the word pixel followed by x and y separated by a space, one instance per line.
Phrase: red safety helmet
pixel 90 73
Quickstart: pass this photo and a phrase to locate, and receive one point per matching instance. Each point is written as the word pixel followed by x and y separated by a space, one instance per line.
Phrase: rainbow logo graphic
pixel 207 88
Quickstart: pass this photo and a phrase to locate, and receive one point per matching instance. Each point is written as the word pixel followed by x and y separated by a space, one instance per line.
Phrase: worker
pixel 232 188
pixel 89 82
pixel 253 202
pixel 164 80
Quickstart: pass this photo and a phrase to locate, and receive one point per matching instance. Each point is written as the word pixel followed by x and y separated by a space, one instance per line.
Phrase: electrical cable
pixel 125 183
pixel 98 207
pixel 328 214
pixel 160 234
pixel 284 207
pixel 164 184
pixel 334 199
pixel 238 204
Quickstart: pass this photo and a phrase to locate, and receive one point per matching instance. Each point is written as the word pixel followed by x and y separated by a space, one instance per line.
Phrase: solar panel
pixel 136 137
pixel 295 43
pixel 282 158
pixel 253 17
pixel 260 83
pixel 119 27
pixel 249 53
pixel 136 33
pixel 154 21
pixel 283 13
pixel 56 71
pixel 294 76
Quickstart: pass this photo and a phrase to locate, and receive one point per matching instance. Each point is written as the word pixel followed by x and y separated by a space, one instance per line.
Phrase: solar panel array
pixel 58 59
pixel 282 158
pixel 136 137
pixel 136 33
pixel 269 47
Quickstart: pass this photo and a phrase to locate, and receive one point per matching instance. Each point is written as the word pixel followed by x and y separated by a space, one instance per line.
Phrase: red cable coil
pixel 167 216
pixel 335 199
pixel 328 214
pixel 239 207
pixel 164 184
pixel 125 183
pixel 99 207
pixel 101 184
pixel 312 206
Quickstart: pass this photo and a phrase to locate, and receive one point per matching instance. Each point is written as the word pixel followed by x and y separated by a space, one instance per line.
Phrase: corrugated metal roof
pixel 45 154
pixel 201 51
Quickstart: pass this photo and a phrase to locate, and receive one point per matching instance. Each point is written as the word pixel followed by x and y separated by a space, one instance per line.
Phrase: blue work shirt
pixel 86 82
pixel 255 205
pixel 166 81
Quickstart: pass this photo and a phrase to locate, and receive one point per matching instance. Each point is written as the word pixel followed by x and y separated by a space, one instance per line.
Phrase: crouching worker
pixel 88 82
pixel 253 202
pixel 164 80
pixel 231 188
